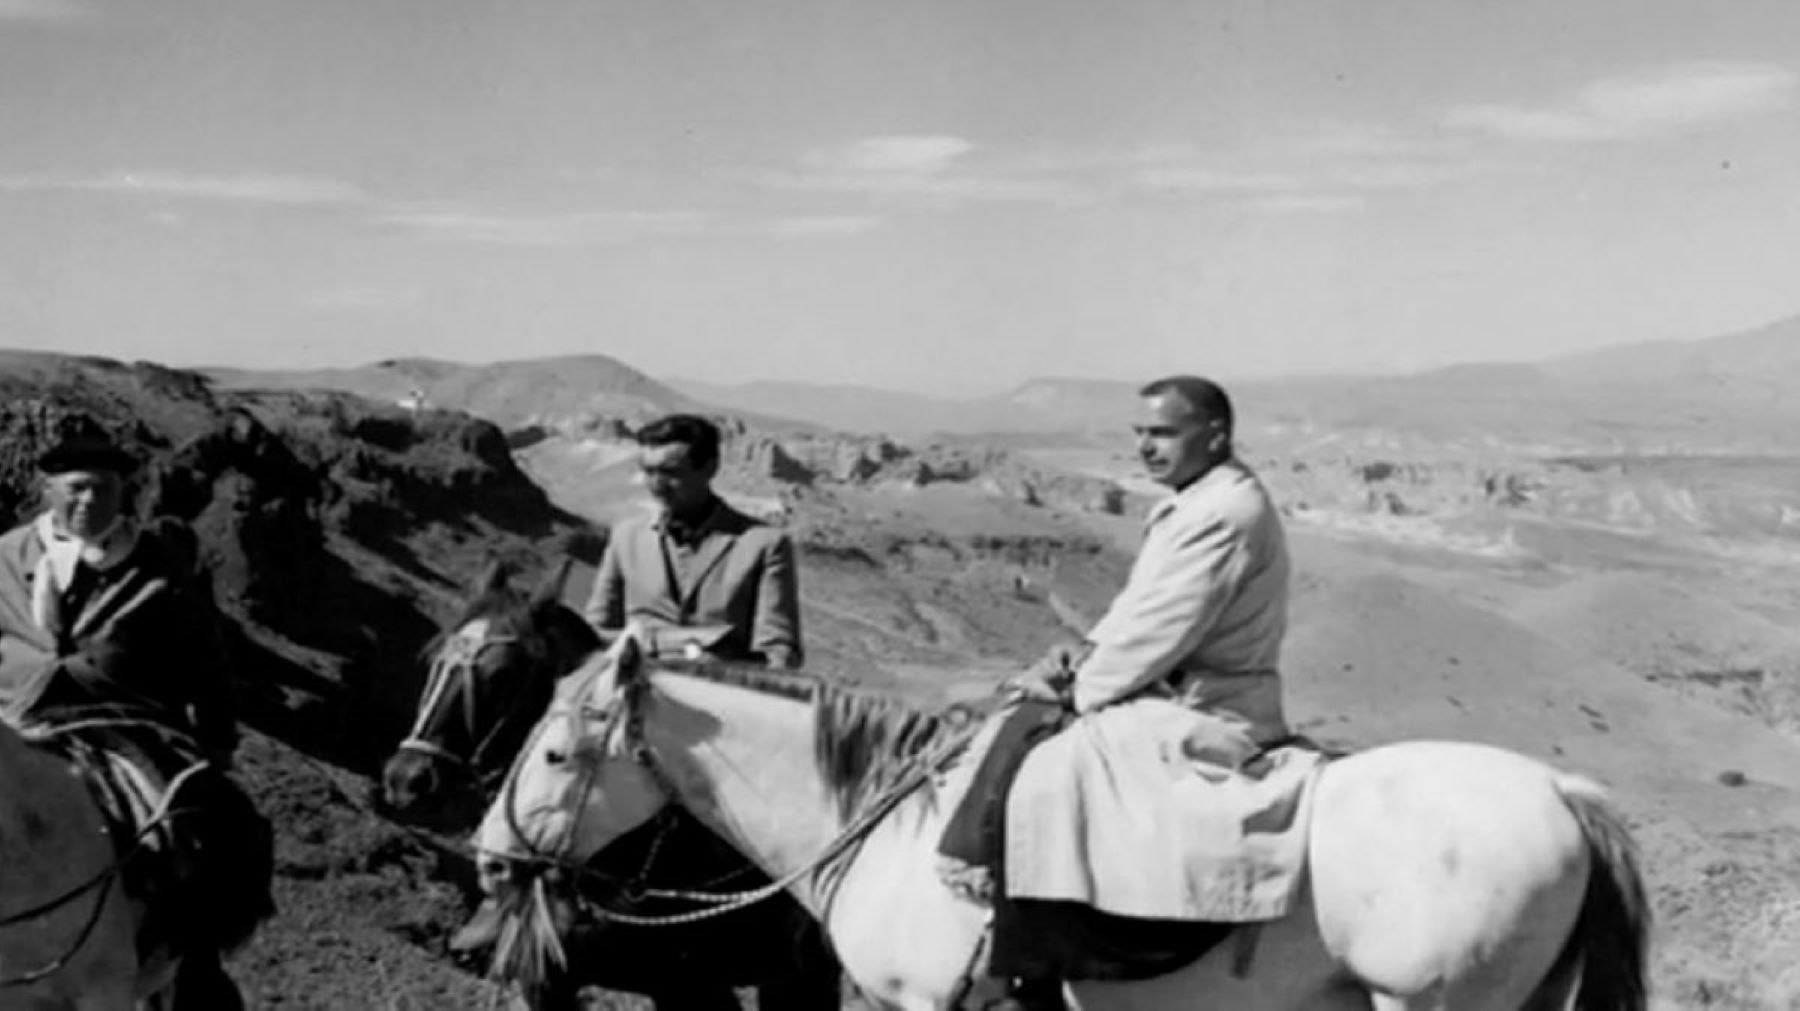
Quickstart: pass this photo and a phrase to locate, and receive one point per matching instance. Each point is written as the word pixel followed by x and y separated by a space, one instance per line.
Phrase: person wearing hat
pixel 98 610
pixel 95 608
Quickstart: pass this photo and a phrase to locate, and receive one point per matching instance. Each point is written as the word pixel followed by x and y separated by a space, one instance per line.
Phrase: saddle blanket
pixel 1152 810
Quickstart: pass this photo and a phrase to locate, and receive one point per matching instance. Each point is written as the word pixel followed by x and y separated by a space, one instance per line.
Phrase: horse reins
pixel 107 877
pixel 628 718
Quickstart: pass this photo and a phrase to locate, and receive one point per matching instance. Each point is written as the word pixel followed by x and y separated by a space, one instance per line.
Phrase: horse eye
pixel 555 756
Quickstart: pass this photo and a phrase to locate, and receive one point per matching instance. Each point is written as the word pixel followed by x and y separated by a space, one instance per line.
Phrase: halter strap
pixel 626 717
pixel 454 669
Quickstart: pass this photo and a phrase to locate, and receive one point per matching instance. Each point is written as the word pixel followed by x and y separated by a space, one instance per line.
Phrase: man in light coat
pixel 1200 623
pixel 1202 616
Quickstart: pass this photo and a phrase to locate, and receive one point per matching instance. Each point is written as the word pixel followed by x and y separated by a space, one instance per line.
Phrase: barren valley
pixel 1596 565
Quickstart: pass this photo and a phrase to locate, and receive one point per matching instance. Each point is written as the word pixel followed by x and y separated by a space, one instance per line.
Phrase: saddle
pixel 669 641
pixel 1044 939
pixel 1034 938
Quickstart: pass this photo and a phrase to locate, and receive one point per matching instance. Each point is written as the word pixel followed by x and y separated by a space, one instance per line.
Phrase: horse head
pixel 585 776
pixel 490 674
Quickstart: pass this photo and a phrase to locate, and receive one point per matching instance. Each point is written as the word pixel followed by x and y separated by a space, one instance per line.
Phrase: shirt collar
pixel 1216 473
pixel 690 531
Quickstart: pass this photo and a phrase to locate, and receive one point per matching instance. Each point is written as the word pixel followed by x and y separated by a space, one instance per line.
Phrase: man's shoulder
pixel 1231 495
pixel 750 529
pixel 17 538
pixel 632 524
pixel 630 528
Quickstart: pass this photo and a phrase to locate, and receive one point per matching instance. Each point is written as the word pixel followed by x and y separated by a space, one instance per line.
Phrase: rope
pixel 849 838
pixel 583 711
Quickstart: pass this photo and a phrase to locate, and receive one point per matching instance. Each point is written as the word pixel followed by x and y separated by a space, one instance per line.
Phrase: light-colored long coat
pixel 1143 806
pixel 741 575
pixel 1205 608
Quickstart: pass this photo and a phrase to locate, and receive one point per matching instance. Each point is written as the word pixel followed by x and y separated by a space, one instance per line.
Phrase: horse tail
pixel 1611 938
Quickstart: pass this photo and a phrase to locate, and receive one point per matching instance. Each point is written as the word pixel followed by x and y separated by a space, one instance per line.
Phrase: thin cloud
pixel 44 11
pixel 1643 105
pixel 363 299
pixel 935 169
pixel 824 226
pixel 1330 168
pixel 898 154
pixel 1356 140
pixel 249 189
pixel 1305 203
pixel 1177 177
pixel 588 228
pixel 1323 165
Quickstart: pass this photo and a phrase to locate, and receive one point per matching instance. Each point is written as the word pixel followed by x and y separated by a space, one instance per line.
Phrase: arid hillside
pixel 338 532
pixel 555 394
pixel 1625 616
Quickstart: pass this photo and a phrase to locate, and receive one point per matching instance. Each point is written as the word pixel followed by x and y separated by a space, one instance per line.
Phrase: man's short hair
pixel 1204 397
pixel 699 435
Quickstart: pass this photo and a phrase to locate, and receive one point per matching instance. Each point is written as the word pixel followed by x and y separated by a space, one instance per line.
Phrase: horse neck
pixel 743 763
pixel 15 755
pixel 34 781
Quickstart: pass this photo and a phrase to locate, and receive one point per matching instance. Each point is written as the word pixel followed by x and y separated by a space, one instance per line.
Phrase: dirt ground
pixel 1630 623
pixel 1387 644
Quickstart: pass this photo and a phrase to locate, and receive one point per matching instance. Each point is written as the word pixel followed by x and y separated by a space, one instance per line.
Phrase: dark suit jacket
pixel 741 575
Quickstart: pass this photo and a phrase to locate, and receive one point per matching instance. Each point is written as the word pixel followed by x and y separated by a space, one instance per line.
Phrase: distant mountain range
pixel 1648 394
pixel 563 392
pixel 1731 387
pixel 1041 405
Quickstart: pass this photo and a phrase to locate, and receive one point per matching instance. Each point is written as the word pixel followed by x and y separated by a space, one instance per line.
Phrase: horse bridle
pixel 621 722
pixel 622 726
pixel 453 669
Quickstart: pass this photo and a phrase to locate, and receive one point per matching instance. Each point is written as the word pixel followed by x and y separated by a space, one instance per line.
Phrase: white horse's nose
pixel 493 873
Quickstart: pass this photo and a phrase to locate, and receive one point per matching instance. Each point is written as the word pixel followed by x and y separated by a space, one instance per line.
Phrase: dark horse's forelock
pixel 500 606
pixel 536 624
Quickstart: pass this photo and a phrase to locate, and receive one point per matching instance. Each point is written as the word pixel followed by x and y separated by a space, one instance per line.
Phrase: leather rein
pixel 102 882
pixel 620 726
pixel 453 672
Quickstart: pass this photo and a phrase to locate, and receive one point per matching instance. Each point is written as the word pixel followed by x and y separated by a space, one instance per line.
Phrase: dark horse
pixel 492 671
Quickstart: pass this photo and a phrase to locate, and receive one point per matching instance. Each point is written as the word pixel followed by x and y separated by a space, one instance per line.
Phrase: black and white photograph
pixel 925 505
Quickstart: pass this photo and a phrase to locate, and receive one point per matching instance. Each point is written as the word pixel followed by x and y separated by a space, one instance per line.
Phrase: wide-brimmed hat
pixel 81 444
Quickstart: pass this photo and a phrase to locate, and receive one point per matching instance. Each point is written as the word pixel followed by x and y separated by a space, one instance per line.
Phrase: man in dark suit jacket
pixel 699 564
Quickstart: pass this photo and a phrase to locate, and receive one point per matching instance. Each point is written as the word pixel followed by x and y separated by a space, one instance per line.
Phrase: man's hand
pixel 1051 677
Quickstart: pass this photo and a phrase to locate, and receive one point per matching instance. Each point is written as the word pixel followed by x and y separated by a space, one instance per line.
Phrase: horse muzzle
pixel 496 873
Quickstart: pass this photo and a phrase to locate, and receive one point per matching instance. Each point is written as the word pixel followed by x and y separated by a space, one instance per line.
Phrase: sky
pixel 949 196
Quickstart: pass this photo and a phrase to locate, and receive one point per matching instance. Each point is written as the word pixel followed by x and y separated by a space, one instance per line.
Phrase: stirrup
pixel 981 990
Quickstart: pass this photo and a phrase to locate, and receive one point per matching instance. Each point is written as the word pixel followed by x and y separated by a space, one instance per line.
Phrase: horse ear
pixel 550 591
pixel 630 657
pixel 493 578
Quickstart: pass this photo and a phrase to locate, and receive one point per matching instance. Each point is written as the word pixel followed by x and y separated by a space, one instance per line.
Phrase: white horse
pixel 1441 875
pixel 68 930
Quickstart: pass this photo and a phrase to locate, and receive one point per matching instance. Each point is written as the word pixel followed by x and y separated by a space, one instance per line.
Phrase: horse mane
pixel 866 739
